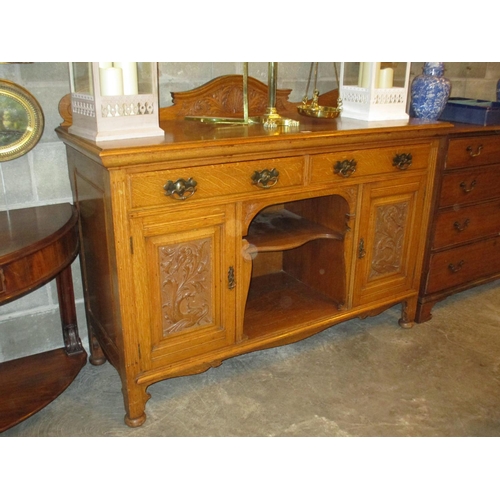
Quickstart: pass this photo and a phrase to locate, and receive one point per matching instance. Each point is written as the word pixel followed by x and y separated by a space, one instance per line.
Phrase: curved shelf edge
pixel 284 230
pixel 31 383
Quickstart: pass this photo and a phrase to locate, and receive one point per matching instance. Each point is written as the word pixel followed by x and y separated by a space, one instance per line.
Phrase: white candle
pixel 365 74
pixel 386 78
pixel 129 70
pixel 111 81
pixel 105 65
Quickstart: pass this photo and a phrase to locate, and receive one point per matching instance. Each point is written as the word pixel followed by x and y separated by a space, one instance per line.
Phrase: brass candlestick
pixel 272 119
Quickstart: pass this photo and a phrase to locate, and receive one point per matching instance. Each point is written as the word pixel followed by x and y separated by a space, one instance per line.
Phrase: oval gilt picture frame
pixel 21 121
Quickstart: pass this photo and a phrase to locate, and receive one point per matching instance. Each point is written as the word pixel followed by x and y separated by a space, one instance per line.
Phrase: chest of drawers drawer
pixel 334 166
pixel 473 151
pixel 467 224
pixel 200 183
pixel 470 186
pixel 464 264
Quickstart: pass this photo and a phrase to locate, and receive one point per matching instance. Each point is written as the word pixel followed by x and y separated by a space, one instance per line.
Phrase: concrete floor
pixel 360 378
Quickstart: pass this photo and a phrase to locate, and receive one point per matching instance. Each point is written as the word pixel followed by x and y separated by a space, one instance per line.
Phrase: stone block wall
pixel 31 324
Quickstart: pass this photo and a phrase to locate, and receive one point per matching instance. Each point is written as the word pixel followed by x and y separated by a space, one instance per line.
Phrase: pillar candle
pixel 105 65
pixel 386 78
pixel 129 73
pixel 111 81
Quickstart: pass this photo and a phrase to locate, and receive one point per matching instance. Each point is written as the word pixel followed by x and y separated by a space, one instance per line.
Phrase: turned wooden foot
pixel 97 356
pixel 409 308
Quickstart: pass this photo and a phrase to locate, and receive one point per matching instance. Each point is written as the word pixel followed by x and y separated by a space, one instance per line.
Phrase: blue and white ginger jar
pixel 429 92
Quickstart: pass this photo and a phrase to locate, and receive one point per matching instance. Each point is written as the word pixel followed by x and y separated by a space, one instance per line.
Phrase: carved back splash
pixel 223 96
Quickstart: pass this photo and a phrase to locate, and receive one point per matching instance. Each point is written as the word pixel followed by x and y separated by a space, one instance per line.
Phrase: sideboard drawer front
pixel 467 224
pixel 473 151
pixel 229 179
pixel 470 186
pixel 463 264
pixel 370 161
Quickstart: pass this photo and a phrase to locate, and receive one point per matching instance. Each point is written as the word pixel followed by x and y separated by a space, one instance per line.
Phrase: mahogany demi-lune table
pixel 37 245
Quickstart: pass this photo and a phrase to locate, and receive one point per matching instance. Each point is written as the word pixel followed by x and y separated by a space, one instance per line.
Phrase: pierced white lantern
pixel 374 91
pixel 114 101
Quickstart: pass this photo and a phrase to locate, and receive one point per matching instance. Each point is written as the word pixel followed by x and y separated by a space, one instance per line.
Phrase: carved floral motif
pixel 389 239
pixel 186 285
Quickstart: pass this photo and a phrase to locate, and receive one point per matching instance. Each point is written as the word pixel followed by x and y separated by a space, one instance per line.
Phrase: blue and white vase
pixel 429 92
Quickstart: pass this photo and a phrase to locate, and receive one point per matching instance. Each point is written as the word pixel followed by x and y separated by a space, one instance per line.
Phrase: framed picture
pixel 21 121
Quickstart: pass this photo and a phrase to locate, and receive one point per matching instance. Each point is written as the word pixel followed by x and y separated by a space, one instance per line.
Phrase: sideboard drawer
pixel 328 167
pixel 472 151
pixel 463 264
pixel 229 179
pixel 470 186
pixel 467 224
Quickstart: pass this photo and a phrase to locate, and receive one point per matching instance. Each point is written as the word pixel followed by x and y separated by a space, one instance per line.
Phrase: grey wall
pixel 31 324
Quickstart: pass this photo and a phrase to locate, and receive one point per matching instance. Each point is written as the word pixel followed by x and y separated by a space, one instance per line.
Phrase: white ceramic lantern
pixel 374 91
pixel 114 100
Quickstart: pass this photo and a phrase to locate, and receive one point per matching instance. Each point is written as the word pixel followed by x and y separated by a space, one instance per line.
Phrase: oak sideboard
pixel 219 240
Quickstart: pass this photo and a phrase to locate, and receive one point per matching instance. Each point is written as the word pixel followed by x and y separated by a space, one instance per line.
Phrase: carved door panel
pixel 184 273
pixel 388 239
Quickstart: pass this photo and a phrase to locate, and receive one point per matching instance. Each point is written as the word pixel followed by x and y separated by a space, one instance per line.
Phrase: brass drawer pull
pixel 181 189
pixel 455 269
pixel 3 289
pixel 402 161
pixel 466 189
pixel 265 179
pixel 477 153
pixel 345 168
pixel 460 227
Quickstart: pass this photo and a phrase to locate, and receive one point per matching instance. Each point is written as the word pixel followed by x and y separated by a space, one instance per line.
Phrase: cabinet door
pixel 389 239
pixel 184 273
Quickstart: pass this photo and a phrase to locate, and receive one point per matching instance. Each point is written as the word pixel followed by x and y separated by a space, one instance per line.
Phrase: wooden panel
pixel 369 161
pixel 473 151
pixel 470 186
pixel 463 264
pixel 467 224
pixel 229 179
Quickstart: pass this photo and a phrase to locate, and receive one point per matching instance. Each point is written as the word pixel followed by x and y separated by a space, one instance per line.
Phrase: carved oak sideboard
pixel 221 240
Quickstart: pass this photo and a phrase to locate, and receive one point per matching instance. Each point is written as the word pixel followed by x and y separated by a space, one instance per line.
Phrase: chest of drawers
pixel 464 241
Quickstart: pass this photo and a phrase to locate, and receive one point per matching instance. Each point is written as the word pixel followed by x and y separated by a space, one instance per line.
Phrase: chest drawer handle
pixel 345 168
pixel 477 153
pixel 265 179
pixel 2 282
pixel 402 161
pixel 466 189
pixel 455 269
pixel 181 189
pixel 460 227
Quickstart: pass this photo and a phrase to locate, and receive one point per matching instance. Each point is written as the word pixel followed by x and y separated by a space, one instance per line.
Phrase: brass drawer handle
pixel 3 288
pixel 466 189
pixel 460 227
pixel 181 189
pixel 345 168
pixel 402 161
pixel 477 153
pixel 455 269
pixel 265 179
